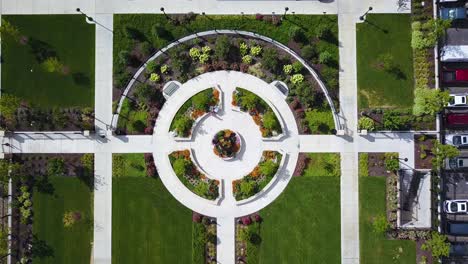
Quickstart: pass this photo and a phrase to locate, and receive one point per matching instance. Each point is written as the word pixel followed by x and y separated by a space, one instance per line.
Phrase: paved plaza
pixel 162 142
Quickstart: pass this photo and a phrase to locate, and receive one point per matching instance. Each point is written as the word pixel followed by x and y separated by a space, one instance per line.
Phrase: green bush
pixel 222 47
pixel 154 77
pixel 325 57
pixel 181 166
pixel 438 245
pixel 429 101
pixel 56 167
pixel 305 93
pixel 309 52
pixel 270 121
pixel 202 101
pixel 297 66
pixel 268 168
pixel 287 69
pixel 442 152
pixel 270 59
pixel 247 59
pixel 392 163
pixel 366 123
pixel 183 125
pixel 297 78
pixel 363 165
pixel 151 66
pixel 8 105
pixel 199 242
pixel 255 50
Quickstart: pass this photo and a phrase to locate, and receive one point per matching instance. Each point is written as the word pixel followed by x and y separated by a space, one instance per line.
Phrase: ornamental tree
pixel 8 105
pixel 438 245
pixel 429 101
pixel 442 152
pixel 366 123
pixel 222 47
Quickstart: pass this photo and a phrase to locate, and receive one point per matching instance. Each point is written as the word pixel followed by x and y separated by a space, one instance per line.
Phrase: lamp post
pixel 162 10
pixel 286 9
pixel 81 12
pixel 363 17
pixel 401 159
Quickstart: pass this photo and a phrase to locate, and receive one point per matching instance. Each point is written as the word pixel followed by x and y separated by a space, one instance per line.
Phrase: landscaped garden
pixel 191 177
pixel 259 178
pixel 52 207
pixel 152 226
pixel 47 72
pixel 194 108
pixel 260 111
pixel 303 215
pixel 314 38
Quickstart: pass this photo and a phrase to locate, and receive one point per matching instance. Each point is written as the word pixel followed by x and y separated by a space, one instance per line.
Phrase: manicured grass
pixel 323 164
pixel 320 121
pixel 376 248
pixel 67 37
pixel 303 224
pixel 73 244
pixel 385 34
pixel 130 119
pixel 148 224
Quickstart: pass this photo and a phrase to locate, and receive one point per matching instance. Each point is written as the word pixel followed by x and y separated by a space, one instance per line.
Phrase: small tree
pixel 249 101
pixel 391 162
pixel 201 101
pixel 309 52
pixel 183 125
pixel 270 59
pixel 325 57
pixel 295 33
pixel 366 123
pixel 222 47
pixel 380 224
pixel 297 66
pixel 438 245
pixel 143 92
pixel 305 92
pixel 442 152
pixel 151 66
pixel 8 105
pixel 268 168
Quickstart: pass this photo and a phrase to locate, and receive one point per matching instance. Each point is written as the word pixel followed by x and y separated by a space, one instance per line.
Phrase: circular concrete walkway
pixel 202 150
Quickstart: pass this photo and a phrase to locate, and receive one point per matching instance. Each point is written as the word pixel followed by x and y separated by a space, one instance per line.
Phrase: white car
pixel 457 100
pixel 457 163
pixel 457 140
pixel 456 206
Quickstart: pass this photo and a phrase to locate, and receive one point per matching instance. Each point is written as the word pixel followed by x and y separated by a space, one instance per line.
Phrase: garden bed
pixel 194 109
pixel 191 177
pixel 260 111
pixel 137 36
pixel 260 177
pixel 204 239
pixel 398 119
pixel 423 151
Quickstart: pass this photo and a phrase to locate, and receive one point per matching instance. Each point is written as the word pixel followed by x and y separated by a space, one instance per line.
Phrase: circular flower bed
pixel 226 144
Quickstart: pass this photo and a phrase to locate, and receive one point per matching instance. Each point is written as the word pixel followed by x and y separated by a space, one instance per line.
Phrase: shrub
pixel 255 50
pixel 183 125
pixel 124 57
pixel 304 92
pixel 429 101
pixel 206 50
pixel 8 105
pixel 363 165
pixel 222 47
pixel 297 66
pixel 164 69
pixel 438 245
pixel 181 166
pixel 143 92
pixel 268 168
pixel 247 59
pixel 247 188
pixel 121 79
pixel 322 31
pixel 392 162
pixel 442 152
pixel 380 224
pixel 154 77
pixel 201 101
pixel 243 49
pixel 295 33
pixel 366 123
pixel 151 66
pixel 287 68
pixel 194 53
pixel 270 59
pixel 56 167
pixel 325 57
pixel 204 57
pixel 146 48
pixel 297 78
pixel 309 52
pixel 246 220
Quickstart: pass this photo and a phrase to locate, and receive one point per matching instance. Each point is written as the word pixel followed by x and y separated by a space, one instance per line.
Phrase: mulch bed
pixel 36 164
pixel 423 151
pixel 376 165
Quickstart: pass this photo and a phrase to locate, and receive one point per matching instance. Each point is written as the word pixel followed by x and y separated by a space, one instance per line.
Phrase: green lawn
pixel 323 164
pixel 376 248
pixel 132 120
pixel 303 224
pixel 148 224
pixel 67 37
pixel 385 34
pixel 73 244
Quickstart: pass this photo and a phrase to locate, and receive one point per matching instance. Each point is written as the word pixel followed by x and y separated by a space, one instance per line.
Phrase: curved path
pixel 279 45
pixel 226 171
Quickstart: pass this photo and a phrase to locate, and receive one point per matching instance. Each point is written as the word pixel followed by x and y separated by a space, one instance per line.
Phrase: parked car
pixel 456 206
pixel 452 13
pixel 457 100
pixel 457 140
pixel 454 120
pixel 455 75
pixel 457 228
pixel 457 163
pixel 447 1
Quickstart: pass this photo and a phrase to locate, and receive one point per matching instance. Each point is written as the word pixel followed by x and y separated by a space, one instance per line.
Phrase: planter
pixel 226 144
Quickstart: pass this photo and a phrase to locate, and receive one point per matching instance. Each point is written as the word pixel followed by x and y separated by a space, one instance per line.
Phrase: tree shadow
pixel 86 176
pixel 43 185
pixel 397 73
pixel 81 79
pixel 40 248
pixel 41 50
pixel 368 21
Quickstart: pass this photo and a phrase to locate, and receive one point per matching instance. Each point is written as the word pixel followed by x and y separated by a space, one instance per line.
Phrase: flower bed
pixel 137 37
pixel 261 175
pixel 260 111
pixel 226 144
pixel 197 106
pixel 191 177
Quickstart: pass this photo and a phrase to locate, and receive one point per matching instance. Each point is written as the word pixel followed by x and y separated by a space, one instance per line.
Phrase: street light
pixel 286 9
pixel 363 17
pixel 162 10
pixel 81 12
pixel 405 159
